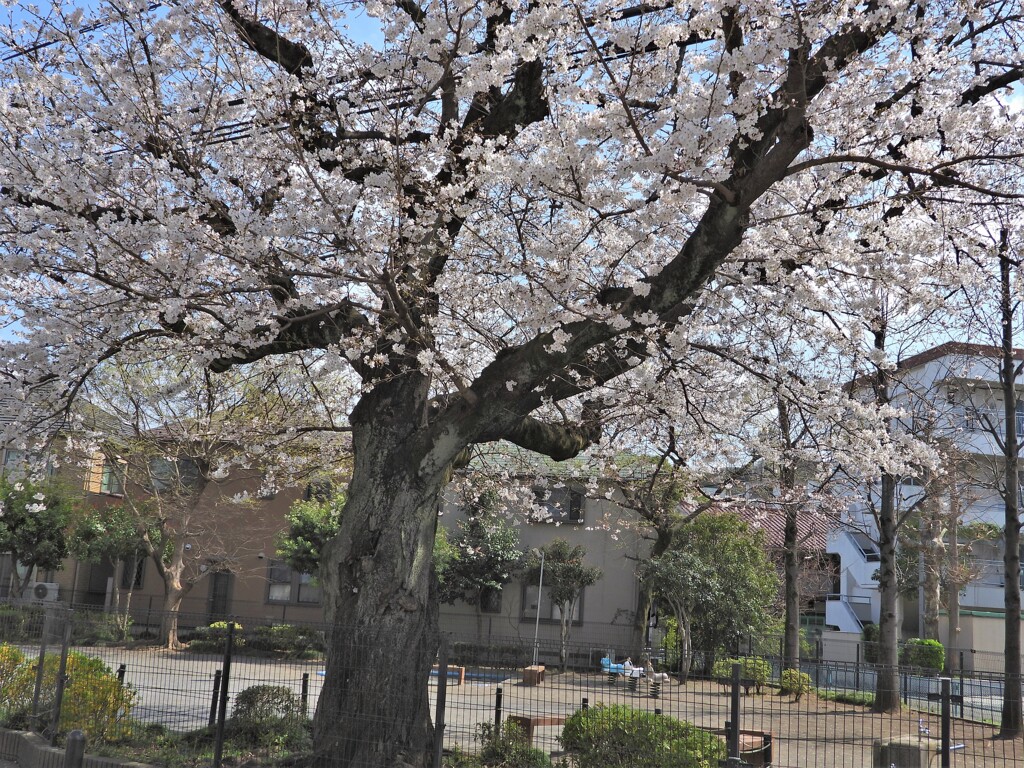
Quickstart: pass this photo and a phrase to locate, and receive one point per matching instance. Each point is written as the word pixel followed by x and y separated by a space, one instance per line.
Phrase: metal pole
pixel 62 680
pixel 945 681
pixel 734 723
pixel 304 696
pixel 216 698
pixel 536 624
pixel 442 694
pixel 222 710
pixel 497 712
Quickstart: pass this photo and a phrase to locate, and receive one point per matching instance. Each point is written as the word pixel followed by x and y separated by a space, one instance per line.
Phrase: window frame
pixel 551 499
pixel 528 614
pixel 302 587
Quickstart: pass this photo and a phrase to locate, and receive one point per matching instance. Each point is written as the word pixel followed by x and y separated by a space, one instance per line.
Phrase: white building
pixel 950 393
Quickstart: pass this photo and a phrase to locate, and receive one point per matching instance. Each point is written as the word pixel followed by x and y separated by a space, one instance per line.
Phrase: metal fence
pixel 177 703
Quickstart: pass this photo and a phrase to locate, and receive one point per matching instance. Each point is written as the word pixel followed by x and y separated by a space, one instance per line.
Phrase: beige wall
pixel 611 543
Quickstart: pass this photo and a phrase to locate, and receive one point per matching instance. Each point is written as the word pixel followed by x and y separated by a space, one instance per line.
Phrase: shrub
pixel 870 639
pixel 211 639
pixel 12 695
pixel 795 682
pixel 755 672
pixel 621 737
pixel 94 628
pixel 489 655
pixel 508 749
pixel 923 654
pixel 21 622
pixel 266 715
pixel 286 640
pixel 94 701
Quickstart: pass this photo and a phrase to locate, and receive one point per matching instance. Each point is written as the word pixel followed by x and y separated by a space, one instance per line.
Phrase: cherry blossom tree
pixel 481 223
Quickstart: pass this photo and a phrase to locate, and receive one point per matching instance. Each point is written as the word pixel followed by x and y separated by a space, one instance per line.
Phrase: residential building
pixel 949 395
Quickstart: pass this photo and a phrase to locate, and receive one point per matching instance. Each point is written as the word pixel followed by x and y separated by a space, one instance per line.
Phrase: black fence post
pixel 216 698
pixel 856 670
pixel 222 710
pixel 62 680
pixel 121 670
pixel 734 714
pixel 945 681
pixel 497 712
pixel 304 695
pixel 442 695
pixel 74 750
pixel 585 704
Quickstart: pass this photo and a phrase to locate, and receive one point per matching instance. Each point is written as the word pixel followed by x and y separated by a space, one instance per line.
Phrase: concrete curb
pixel 30 750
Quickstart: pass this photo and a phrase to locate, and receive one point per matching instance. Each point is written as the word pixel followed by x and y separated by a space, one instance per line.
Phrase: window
pixel 174 475
pixel 490 600
pixel 287 586
pixel 105 476
pixel 139 563
pixel 559 504
pixel 13 458
pixel 548 610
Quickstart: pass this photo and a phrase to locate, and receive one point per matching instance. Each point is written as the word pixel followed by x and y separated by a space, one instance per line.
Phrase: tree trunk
pixel 686 648
pixel 887 690
pixel 953 588
pixel 174 593
pixel 1011 723
pixel 378 580
pixel 933 552
pixel 791 543
pixel 791 642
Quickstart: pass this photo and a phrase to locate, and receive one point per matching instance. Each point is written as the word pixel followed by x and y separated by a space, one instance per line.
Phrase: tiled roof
pixel 770 518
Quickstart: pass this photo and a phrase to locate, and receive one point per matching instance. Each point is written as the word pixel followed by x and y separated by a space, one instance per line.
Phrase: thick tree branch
pixel 292 57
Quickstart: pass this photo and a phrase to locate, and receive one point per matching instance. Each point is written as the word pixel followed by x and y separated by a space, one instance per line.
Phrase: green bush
pixel 796 683
pixel 870 638
pixel 489 655
pixel 508 749
pixel 923 654
pixel 755 672
pixel 94 700
pixel 621 737
pixel 95 628
pixel 21 623
pixel 12 693
pixel 212 639
pixel 269 715
pixel 286 640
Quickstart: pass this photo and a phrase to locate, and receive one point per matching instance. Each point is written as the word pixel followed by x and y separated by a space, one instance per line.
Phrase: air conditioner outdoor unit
pixel 43 590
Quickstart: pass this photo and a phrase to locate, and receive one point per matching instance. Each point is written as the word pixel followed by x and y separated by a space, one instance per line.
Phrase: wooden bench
pixel 529 723
pixel 533 675
pixel 457 674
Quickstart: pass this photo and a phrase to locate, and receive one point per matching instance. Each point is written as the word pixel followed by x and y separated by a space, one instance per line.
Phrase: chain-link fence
pixel 252 690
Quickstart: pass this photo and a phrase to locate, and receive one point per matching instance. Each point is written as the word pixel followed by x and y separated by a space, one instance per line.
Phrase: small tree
pixel 718 580
pixel 33 519
pixel 111 535
pixel 566 575
pixel 484 556
pixel 311 524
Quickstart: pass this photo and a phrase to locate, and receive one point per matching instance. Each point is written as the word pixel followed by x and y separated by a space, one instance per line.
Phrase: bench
pixel 529 723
